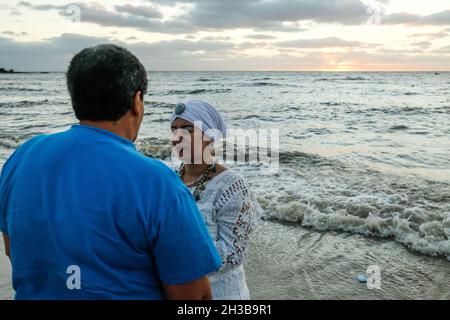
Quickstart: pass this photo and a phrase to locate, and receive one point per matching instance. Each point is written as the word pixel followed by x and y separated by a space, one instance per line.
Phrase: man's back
pixel 84 203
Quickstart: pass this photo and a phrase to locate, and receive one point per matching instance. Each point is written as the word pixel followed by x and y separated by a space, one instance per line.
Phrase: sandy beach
pixel 6 291
pixel 289 262
pixel 363 167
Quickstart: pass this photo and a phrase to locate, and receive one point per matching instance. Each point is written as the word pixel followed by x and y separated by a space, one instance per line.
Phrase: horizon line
pixel 293 71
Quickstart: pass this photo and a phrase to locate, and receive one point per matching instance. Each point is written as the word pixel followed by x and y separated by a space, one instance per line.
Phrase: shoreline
pixel 317 265
pixel 290 262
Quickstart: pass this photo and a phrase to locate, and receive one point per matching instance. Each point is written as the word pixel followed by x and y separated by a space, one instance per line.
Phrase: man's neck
pixel 114 127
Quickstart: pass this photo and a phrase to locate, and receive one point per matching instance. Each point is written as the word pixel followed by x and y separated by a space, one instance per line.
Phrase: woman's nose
pixel 177 137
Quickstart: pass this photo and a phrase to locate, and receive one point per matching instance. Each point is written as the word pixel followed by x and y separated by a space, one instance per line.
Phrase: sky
pixel 253 35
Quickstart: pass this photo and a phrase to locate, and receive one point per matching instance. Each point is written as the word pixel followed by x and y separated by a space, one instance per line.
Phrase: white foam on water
pixel 325 194
pixel 413 212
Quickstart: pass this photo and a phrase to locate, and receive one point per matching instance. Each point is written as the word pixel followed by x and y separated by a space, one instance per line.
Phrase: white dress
pixel 231 213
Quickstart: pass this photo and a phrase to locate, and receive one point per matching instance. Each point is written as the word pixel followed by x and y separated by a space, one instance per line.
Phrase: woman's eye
pixel 189 129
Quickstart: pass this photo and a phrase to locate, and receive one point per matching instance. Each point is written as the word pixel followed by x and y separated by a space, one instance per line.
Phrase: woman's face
pixel 189 142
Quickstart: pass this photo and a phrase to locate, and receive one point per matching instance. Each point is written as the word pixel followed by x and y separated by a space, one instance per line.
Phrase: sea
pixel 363 155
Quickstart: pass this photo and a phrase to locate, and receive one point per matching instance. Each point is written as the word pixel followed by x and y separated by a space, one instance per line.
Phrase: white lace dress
pixel 231 213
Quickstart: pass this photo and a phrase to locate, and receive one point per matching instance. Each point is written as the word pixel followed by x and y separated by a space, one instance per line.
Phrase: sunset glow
pixel 325 35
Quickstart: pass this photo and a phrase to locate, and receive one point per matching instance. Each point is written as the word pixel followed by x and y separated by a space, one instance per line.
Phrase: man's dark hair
pixel 102 82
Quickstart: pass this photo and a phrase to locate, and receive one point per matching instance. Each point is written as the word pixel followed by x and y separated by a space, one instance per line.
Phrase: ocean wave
pixel 319 131
pixel 371 204
pixel 155 148
pixel 23 103
pixel 264 84
pixel 9 144
pixel 258 117
pixel 399 127
pixel 162 105
pixel 325 79
pixel 262 79
pixel 11 141
pixel 197 91
pixel 327 194
pixel 21 89
pixel 162 149
pixel 394 110
pixel 354 78
pixel 349 78
pixel 331 104
pixel 430 237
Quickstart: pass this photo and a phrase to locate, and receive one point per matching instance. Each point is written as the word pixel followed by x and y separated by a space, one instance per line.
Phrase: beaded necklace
pixel 200 182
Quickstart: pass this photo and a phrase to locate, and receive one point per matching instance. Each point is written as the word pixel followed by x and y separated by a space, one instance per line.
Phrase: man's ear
pixel 138 103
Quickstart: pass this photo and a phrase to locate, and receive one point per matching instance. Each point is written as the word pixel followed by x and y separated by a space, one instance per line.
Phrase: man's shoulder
pixel 158 168
pixel 23 148
pixel 32 141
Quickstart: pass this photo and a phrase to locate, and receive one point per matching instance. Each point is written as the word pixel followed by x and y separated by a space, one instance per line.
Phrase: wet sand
pixel 291 262
pixel 6 291
pixel 286 261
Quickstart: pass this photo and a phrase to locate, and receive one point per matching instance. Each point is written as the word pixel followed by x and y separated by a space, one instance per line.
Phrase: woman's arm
pixel 237 216
pixel 7 245
pixel 199 289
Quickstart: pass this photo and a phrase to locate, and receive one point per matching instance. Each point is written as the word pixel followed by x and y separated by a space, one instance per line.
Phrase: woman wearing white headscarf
pixel 229 208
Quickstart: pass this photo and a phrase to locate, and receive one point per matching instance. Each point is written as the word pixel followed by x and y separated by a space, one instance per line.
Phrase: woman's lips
pixel 179 149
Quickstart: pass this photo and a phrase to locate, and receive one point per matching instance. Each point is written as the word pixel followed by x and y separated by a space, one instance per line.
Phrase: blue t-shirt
pixel 89 217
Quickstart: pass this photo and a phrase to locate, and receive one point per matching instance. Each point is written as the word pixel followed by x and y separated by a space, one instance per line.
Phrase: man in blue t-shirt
pixel 85 216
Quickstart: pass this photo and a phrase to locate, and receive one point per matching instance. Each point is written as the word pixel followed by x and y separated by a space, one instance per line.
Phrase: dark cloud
pixel 140 11
pixel 219 14
pixel 274 15
pixel 100 15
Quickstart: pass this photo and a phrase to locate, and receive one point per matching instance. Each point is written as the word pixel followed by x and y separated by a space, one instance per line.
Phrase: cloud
pixel 260 37
pixel 330 42
pixel 274 15
pixel 445 49
pixel 401 18
pixel 54 54
pixel 219 14
pixel 14 34
pixel 140 11
pixel 422 44
pixel 399 61
pixel 440 18
pixel 134 18
pixel 252 45
pixel 436 19
pixel 430 35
